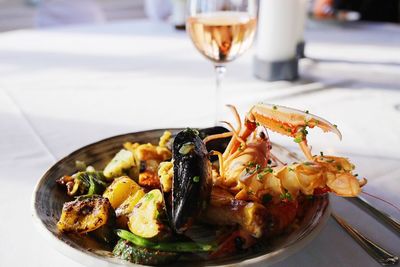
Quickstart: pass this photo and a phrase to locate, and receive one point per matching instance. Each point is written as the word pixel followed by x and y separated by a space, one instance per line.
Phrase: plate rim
pixel 92 259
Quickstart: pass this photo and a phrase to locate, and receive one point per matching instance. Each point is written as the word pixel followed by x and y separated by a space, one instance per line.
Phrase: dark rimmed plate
pixel 48 200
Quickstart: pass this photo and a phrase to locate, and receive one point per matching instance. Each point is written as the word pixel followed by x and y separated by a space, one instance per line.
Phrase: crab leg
pixel 249 128
pixel 237 117
pixel 220 160
pixel 217 136
pixel 291 122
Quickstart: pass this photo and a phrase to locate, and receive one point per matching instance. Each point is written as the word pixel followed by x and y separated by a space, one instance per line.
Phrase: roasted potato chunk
pixel 144 220
pixel 88 214
pixel 127 207
pixel 120 189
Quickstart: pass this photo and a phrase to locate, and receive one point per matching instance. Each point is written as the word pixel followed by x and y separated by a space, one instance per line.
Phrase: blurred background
pixel 73 72
pixel 19 14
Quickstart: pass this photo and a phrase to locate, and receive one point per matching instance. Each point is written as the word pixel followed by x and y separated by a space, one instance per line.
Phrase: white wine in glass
pixel 221 30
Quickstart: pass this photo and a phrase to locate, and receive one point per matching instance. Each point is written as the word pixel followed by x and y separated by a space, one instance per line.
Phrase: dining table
pixel 63 88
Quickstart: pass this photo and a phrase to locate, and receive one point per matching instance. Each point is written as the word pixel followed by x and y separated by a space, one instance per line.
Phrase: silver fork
pixel 380 254
pixel 393 223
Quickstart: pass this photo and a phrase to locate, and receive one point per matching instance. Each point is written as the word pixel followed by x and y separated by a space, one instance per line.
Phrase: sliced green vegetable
pixel 84 183
pixel 91 183
pixel 163 246
pixel 127 251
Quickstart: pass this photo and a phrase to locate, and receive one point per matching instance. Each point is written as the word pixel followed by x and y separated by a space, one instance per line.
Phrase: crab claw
pixel 288 121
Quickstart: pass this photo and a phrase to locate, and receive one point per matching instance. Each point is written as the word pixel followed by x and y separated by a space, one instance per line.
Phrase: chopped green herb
pixel 286 196
pixel 148 196
pixel 321 153
pixel 298 139
pixel 356 175
pixel 196 179
pixel 339 167
pixel 307 111
pixel 240 147
pixel 190 130
pixel 275 107
pixel 252 167
pixel 304 131
pixel 307 163
pixel 260 177
pixel 251 164
pixel 290 169
pixel 267 170
pixel 335 125
pixel 309 196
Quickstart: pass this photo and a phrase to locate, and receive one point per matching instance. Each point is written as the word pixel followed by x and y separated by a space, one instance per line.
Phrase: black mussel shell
pixel 192 179
pixel 216 145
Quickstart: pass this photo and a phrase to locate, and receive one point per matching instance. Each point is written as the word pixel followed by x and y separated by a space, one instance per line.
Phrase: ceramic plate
pixel 48 199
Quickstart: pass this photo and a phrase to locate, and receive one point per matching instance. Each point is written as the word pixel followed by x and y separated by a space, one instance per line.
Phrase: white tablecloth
pixel 63 88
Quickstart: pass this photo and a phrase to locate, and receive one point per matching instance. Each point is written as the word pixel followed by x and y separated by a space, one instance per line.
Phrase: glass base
pixel 286 70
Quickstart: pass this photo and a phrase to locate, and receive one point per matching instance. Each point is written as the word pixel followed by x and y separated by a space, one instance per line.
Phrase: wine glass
pixel 221 30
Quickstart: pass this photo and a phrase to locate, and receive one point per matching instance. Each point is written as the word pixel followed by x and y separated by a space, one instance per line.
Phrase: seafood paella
pixel 151 202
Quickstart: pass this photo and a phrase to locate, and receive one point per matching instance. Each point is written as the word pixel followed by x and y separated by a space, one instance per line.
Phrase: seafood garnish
pixel 215 191
pixel 245 168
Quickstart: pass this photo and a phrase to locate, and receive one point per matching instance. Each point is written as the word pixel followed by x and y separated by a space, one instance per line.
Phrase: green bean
pixel 165 246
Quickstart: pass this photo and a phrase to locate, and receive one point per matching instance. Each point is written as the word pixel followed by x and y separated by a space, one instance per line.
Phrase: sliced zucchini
pixel 140 255
pixel 144 220
pixel 122 162
pixel 120 189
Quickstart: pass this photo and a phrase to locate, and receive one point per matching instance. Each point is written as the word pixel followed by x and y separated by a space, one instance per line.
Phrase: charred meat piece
pixel 224 209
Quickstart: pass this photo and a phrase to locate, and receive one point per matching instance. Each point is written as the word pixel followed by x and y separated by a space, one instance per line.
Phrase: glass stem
pixel 220 73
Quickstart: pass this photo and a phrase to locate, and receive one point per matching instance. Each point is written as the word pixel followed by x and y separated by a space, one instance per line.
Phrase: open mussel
pixel 192 179
pixel 216 145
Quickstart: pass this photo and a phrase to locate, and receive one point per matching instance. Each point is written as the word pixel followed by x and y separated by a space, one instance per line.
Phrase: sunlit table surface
pixel 63 88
